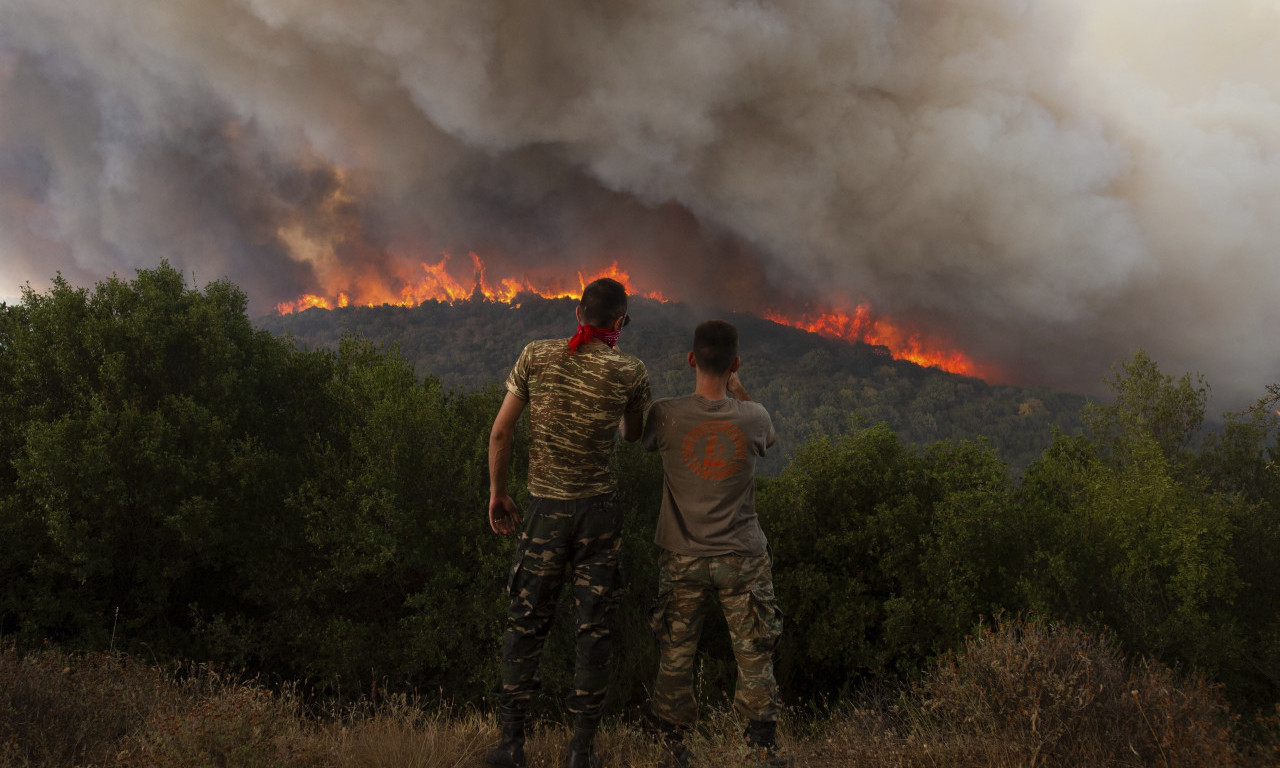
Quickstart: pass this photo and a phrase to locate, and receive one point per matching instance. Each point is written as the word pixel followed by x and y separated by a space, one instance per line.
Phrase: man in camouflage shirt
pixel 580 392
pixel 712 544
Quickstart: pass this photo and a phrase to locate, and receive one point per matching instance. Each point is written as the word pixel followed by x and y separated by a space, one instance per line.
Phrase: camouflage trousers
pixel 580 540
pixel 687 588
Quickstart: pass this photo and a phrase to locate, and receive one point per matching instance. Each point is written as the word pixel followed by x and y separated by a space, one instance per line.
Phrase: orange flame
pixel 861 325
pixel 437 284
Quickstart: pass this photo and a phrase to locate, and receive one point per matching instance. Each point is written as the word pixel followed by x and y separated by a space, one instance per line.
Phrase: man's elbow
pixel 500 435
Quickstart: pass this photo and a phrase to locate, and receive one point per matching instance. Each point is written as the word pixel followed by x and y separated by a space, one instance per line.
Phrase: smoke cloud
pixel 1049 186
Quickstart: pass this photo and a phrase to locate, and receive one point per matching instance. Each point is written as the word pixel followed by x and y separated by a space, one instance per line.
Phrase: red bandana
pixel 587 333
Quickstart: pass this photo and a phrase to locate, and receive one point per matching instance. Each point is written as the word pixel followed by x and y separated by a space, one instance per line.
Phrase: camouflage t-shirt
pixel 575 402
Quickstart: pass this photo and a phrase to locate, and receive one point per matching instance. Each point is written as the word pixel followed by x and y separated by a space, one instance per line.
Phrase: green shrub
pixel 885 555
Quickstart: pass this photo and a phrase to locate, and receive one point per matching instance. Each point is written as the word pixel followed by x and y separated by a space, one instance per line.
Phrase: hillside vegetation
pixel 177 484
pixel 813 386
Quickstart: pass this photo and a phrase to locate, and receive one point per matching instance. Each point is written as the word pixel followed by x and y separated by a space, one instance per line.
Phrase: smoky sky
pixel 1048 185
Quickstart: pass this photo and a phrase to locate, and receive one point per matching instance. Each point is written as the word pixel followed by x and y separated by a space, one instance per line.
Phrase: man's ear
pixel 693 361
pixel 577 313
pixel 737 361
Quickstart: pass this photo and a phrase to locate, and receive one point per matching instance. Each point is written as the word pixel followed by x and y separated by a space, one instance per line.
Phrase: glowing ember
pixel 437 284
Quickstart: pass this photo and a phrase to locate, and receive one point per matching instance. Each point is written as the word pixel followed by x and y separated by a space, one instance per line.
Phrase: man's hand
pixel 503 512
pixel 736 389
pixel 504 515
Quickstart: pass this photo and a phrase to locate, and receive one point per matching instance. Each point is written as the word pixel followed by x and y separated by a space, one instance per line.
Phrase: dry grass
pixel 60 710
pixel 1027 694
pixel 1019 694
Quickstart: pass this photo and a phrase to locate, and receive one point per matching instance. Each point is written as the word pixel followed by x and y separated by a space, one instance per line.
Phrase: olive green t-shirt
pixel 575 402
pixel 709 450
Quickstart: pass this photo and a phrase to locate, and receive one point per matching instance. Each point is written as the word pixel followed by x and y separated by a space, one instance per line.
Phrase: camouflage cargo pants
pixel 687 588
pixel 581 540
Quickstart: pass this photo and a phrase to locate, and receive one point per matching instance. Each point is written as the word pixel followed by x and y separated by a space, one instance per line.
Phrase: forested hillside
pixel 179 484
pixel 812 385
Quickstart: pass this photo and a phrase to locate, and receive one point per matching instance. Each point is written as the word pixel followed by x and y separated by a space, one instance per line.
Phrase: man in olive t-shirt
pixel 579 392
pixel 712 543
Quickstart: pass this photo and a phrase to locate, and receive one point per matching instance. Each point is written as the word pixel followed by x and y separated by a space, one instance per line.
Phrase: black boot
pixel 580 754
pixel 509 753
pixel 762 739
pixel 678 755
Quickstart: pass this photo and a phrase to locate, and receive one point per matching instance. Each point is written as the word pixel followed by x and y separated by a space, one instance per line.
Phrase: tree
pixel 148 443
pixel 1148 404
pixel 1133 532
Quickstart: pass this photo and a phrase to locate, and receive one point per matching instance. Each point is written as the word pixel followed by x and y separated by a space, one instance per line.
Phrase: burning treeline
pixel 437 283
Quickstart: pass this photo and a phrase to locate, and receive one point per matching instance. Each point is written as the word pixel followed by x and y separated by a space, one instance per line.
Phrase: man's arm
pixel 504 515
pixel 739 393
pixel 631 426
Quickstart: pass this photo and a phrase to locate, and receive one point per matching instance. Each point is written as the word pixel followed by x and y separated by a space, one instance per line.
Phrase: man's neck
pixel 712 387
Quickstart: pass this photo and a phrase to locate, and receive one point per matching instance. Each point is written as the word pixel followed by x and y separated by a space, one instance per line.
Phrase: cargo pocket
pixel 768 618
pixel 658 617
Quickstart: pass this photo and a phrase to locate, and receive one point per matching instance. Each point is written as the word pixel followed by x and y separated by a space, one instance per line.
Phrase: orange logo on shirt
pixel 714 450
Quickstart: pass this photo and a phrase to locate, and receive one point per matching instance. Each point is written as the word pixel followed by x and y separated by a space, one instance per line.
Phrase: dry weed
pixel 215 720
pixel 72 709
pixel 1027 693
pixel 1018 694
pixel 400 732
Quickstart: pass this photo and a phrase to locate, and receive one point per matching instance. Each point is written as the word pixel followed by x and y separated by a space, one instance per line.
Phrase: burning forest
pixel 1027 193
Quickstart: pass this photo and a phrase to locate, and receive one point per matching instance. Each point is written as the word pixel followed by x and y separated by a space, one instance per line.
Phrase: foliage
pixel 1161 532
pixel 814 386
pixel 178 481
pixel 1148 406
pixel 886 555
pixel 150 432
pixel 1138 551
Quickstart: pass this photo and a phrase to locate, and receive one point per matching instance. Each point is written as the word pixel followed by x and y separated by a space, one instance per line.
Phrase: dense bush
pixel 179 482
pixel 886 555
pixel 1157 531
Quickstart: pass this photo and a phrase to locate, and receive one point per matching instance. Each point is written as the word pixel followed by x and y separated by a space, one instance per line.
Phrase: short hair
pixel 603 301
pixel 715 346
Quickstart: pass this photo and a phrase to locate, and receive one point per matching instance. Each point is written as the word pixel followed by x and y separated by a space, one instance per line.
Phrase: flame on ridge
pixel 861 325
pixel 437 284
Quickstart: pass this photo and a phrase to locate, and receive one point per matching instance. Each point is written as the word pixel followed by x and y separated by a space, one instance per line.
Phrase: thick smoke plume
pixel 1050 184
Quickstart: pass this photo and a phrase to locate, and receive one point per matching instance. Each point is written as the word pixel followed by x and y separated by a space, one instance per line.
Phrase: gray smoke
pixel 1048 185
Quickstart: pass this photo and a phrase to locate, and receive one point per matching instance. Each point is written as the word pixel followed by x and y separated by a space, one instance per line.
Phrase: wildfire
pixel 862 325
pixel 436 283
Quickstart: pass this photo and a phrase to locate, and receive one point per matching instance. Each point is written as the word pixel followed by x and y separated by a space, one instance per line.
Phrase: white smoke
pixel 1050 184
